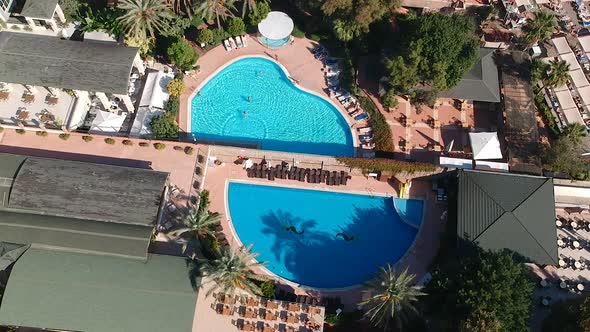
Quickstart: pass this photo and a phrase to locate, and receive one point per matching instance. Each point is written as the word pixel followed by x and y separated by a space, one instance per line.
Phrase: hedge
pixel 109 140
pixel 381 131
pixel 41 133
pixel 382 164
pixel 159 146
pixel 546 113
pixel 20 131
pixel 127 142
pixel 64 137
pixel 87 138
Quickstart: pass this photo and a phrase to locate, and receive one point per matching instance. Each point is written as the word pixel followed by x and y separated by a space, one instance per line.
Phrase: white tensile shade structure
pixel 107 122
pixel 275 29
pixel 485 146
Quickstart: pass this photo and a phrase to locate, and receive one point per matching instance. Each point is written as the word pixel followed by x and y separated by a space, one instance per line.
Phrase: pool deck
pixel 296 58
pixel 417 259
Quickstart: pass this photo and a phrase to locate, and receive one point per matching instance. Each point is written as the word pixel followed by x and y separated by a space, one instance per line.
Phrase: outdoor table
pixel 292 319
pixel 252 302
pixel 562 263
pixel 544 283
pixel 272 305
pixel 558 223
pixel 576 244
pixel 563 284
pixel 574 224
pixel 560 243
pixel 545 301
pixel 268 329
pixel 580 287
pixel 293 307
pixel 577 265
pixel 248 327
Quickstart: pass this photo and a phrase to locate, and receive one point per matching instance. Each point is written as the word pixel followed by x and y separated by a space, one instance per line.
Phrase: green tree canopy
pixel 435 49
pixel 569 316
pixel 357 15
pixel 564 157
pixel 182 54
pixel 236 27
pixel 205 36
pixel 482 281
pixel 144 18
pixel 540 28
pixel 71 9
pixel 164 126
pixel 262 10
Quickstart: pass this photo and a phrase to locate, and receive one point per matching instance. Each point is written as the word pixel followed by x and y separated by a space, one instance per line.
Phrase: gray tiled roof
pixel 88 191
pixel 480 83
pixel 508 211
pixel 50 61
pixel 42 9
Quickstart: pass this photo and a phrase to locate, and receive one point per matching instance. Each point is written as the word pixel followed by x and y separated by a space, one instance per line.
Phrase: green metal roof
pixel 75 235
pixel 508 211
pixel 77 292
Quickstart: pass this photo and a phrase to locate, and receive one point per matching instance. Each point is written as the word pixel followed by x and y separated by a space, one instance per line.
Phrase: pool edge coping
pixel 288 282
pixel 189 120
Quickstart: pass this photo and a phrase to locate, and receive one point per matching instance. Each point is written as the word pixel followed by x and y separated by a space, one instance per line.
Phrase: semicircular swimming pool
pixel 252 101
pixel 322 239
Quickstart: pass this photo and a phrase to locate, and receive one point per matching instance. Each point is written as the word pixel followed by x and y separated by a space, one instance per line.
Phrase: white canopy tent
pixel 570 58
pixel 155 92
pixel 455 162
pixel 107 122
pixel 565 99
pixel 561 45
pixel 277 25
pixel 485 146
pixel 572 115
pixel 579 78
pixel 585 95
pixel 585 42
pixel 141 124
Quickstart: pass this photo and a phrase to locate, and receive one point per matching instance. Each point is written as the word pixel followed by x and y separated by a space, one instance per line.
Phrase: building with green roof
pixel 508 211
pixel 96 293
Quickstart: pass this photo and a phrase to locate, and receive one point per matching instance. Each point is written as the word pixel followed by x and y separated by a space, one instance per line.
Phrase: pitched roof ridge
pixel 498 205
pixel 489 196
pixel 491 224
pixel 531 194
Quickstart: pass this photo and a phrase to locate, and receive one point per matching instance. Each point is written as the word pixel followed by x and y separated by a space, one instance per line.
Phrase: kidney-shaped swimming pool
pixel 253 101
pixel 322 239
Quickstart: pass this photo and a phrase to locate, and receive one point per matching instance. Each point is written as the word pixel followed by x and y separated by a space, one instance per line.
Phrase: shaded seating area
pixel 285 171
pixel 267 315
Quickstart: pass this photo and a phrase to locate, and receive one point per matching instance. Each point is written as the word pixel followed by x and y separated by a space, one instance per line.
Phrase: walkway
pixel 297 58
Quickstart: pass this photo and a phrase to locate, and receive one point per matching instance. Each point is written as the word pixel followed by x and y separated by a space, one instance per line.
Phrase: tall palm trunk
pixel 218 21
pixel 244 8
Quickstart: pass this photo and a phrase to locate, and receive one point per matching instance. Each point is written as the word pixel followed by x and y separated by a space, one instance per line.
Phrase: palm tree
pixel 143 18
pixel 181 5
pixel 232 270
pixel 575 132
pixel 393 299
pixel 540 28
pixel 199 225
pixel 558 74
pixel 220 9
pixel 251 5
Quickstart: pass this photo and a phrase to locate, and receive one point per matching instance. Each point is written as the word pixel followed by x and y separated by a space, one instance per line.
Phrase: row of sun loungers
pixel 313 175
pixel 232 44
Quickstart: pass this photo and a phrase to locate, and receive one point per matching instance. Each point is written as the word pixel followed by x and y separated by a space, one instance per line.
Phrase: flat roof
pixel 50 61
pixel 88 191
pixel 42 9
pixel 78 292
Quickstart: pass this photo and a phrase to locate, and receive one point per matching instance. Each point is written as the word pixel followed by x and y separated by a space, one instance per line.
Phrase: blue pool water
pixel 253 101
pixel 320 256
pixel 275 42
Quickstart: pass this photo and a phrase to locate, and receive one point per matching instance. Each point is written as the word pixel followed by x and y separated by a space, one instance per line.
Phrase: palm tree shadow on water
pixel 341 256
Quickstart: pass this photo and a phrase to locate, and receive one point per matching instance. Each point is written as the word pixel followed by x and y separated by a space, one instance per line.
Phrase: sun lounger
pixel 357 112
pixel 332 73
pixel 343 178
pixel 301 175
pixel 365 130
pixel 331 61
pixel 361 116
pixel 366 137
pixel 227 45
pixel 333 82
pixel 368 146
pixel 245 40
pixel 232 42
pixel 337 178
pixel 344 97
pixel 291 175
pixel 239 42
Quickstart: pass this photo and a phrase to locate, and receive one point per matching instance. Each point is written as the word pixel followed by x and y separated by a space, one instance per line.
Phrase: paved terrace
pixel 297 58
pixel 419 257
pixel 180 165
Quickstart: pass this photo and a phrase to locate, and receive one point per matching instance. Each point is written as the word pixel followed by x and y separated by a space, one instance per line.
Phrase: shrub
pixel 182 54
pixel 255 17
pixel 20 131
pixel 1 129
pixel 297 32
pixel 205 36
pixel 164 126
pixel 268 288
pixel 219 35
pixel 315 37
pixel 236 27
pixel 197 21
pixel 390 165
pixel 389 100
pixel 127 142
pixel 159 146
pixel 172 106
pixel 41 133
pixel 144 144
pixel 110 141
pixel 203 201
pixel 87 138
pixel 175 87
pixel 64 136
pixel 177 148
pixel 189 150
pixel 381 131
